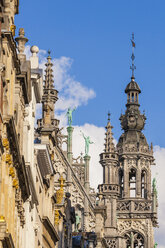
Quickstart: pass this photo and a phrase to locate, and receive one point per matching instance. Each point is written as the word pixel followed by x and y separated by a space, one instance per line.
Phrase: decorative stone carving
pixel 125 225
pixel 110 242
pixel 92 222
pixel 123 206
pixel 142 206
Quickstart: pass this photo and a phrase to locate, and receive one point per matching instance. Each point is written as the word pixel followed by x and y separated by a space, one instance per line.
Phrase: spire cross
pixel 133 67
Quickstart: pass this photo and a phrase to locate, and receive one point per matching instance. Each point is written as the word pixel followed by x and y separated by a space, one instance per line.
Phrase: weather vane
pixel 133 67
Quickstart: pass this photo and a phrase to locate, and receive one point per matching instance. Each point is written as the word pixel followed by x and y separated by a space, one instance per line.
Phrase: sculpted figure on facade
pixel 87 143
pixel 69 115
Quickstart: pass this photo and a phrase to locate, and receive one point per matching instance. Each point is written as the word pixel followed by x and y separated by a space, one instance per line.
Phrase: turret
pixel 109 157
pixel 48 124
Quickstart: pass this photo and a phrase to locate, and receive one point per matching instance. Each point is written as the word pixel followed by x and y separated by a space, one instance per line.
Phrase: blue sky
pixel 96 36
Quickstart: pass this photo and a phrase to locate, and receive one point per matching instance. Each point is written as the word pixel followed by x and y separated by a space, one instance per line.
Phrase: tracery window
pixel 134 239
pixel 132 182
pixel 132 97
pixel 121 182
pixel 144 184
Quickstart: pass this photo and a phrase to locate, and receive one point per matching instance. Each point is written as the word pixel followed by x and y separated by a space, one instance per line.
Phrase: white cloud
pixel 72 93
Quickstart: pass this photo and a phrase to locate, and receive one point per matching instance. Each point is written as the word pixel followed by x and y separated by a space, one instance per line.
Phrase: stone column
pixel 126 179
pixel 87 159
pixel 69 152
pixel 148 181
pixel 138 180
pixel 87 186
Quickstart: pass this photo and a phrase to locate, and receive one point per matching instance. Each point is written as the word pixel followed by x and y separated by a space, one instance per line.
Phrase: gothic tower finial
pixel 49 73
pixel 109 145
pixel 133 67
pixel 50 96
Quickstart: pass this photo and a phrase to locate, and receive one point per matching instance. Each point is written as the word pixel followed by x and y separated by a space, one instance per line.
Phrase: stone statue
pixel 69 115
pixel 155 245
pixel 87 143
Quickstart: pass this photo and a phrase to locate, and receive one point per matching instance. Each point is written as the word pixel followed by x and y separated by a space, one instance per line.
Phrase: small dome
pixel 132 86
pixel 34 49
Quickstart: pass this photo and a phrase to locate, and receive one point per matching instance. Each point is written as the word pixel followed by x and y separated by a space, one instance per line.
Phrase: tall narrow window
pixel 132 97
pixel 132 182
pixel 121 182
pixel 144 184
pixel 129 97
pixel 136 97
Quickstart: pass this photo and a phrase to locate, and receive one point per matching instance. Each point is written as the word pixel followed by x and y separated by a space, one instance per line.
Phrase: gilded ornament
pixel 57 217
pixel 12 29
pixel 52 156
pixel 15 183
pixel 60 192
pixel 12 172
pixel 2 218
pixel 5 143
pixel 8 158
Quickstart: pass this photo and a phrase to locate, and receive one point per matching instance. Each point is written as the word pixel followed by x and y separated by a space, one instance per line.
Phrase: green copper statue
pixel 155 245
pixel 87 143
pixel 69 115
pixel 77 222
pixel 154 185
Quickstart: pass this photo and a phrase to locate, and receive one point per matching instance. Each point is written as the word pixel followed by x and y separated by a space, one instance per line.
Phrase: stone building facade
pixel 45 194
pixel 127 206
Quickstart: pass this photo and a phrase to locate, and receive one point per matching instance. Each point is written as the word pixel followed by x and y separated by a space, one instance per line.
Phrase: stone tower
pixel 48 125
pixel 126 192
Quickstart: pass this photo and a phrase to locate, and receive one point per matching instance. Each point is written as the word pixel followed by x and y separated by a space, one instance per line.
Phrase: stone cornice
pixel 12 43
pixel 19 162
pixel 50 228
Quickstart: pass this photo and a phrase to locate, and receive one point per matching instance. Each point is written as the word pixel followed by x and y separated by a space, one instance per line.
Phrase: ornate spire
pixel 49 98
pixel 49 73
pixel 109 145
pixel 133 67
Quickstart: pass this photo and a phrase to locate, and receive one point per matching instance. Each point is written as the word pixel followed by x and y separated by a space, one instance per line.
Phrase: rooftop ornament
pixel 87 143
pixel 133 67
pixel 69 115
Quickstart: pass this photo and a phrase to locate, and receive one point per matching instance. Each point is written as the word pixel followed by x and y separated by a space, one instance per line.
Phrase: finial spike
pixel 109 116
pixel 49 52
pixel 133 67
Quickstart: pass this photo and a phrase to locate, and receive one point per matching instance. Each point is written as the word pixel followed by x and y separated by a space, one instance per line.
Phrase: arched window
pixel 121 182
pixel 129 97
pixel 136 98
pixel 132 97
pixel 132 182
pixel 134 239
pixel 143 184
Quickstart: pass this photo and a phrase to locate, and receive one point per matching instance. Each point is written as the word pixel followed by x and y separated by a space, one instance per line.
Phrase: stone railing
pixel 54 123
pixel 109 188
pixel 113 156
pixel 128 206
pixel 134 149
